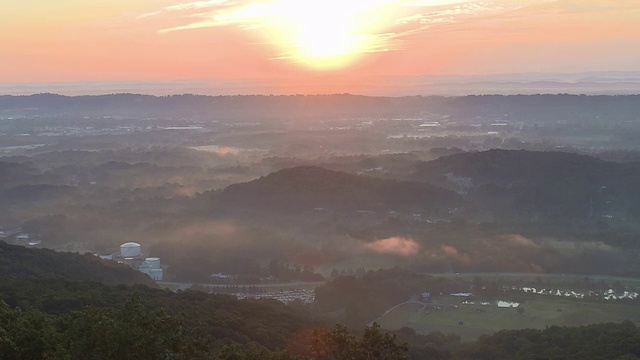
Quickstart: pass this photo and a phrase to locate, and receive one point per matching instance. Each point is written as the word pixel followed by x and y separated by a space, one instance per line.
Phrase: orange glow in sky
pixel 347 41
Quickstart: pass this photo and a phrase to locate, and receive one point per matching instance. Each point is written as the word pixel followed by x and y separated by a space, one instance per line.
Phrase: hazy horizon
pixel 590 83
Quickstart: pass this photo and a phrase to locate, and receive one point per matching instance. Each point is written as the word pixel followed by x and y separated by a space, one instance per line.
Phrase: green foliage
pixel 130 332
pixel 339 344
pixel 18 261
pixel 134 331
pixel 26 335
pixel 223 319
pixel 601 341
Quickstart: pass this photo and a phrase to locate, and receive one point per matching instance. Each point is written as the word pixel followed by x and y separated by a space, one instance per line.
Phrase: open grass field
pixel 478 319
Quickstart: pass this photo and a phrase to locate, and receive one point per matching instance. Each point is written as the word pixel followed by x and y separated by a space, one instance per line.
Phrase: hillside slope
pixel 526 183
pixel 21 262
pixel 309 187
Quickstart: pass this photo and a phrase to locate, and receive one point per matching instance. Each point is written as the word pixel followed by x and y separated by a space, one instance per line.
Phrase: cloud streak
pixel 312 29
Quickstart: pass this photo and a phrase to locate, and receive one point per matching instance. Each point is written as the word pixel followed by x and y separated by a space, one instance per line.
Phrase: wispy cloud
pixel 309 28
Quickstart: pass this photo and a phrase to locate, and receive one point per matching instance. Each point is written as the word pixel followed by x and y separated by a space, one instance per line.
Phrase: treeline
pixel 593 342
pixel 209 322
pixel 64 320
pixel 600 341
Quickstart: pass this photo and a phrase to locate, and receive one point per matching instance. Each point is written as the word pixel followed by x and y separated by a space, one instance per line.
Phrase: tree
pixel 25 335
pixel 132 332
pixel 339 344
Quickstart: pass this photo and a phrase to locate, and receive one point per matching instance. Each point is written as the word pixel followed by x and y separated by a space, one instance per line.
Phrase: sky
pixel 294 44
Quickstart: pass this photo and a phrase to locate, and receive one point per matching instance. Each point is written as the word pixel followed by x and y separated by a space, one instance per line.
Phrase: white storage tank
pixel 156 274
pixel 145 267
pixel 154 262
pixel 130 249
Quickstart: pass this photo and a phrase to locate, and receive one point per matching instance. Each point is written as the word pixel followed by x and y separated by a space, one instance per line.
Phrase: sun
pixel 326 34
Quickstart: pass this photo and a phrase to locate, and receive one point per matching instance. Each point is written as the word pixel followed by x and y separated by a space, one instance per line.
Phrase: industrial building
pixel 151 266
pixel 132 254
pixel 130 249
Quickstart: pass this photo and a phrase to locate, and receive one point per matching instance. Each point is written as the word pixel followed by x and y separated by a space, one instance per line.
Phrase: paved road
pixel 416 302
pixel 185 285
pixel 293 284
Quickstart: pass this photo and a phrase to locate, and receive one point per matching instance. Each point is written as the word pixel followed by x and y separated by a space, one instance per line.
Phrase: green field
pixel 478 319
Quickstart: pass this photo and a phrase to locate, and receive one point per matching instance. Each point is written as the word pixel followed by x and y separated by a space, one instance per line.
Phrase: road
pixel 416 302
pixel 185 285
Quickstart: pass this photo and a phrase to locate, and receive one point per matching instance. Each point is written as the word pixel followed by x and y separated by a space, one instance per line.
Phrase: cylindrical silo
pixel 130 249
pixel 145 267
pixel 154 261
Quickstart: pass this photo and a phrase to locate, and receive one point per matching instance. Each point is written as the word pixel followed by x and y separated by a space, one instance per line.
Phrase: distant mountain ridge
pixel 531 183
pixel 594 82
pixel 507 166
pixel 507 184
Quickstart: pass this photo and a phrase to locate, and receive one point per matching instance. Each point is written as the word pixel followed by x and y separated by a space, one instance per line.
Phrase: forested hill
pixel 309 187
pixel 530 184
pixel 243 108
pixel 508 166
pixel 21 262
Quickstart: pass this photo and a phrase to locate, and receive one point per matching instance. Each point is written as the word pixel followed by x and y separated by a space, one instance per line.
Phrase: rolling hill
pixel 531 184
pixel 309 187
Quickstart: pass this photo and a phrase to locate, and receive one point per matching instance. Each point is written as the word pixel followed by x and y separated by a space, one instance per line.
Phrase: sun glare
pixel 325 34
